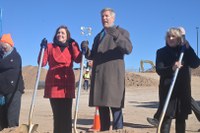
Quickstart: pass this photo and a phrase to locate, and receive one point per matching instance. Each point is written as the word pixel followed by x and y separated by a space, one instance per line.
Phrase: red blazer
pixel 60 79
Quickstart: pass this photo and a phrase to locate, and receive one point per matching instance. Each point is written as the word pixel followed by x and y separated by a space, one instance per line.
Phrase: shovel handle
pixel 78 93
pixel 36 86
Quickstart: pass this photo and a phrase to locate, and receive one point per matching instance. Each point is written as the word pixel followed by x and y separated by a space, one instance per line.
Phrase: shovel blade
pixel 28 128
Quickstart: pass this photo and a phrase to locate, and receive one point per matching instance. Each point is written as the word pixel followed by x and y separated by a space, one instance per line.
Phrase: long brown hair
pixel 62 27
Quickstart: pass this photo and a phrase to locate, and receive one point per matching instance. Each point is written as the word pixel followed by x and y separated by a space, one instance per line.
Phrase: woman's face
pixel 172 40
pixel 61 35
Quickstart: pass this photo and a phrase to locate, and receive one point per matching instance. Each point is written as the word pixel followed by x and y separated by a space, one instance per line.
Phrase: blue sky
pixel 147 21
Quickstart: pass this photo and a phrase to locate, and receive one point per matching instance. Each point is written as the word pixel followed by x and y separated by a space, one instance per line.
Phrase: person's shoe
pixel 153 121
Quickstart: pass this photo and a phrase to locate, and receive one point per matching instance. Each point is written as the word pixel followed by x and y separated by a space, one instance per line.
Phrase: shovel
pixel 30 128
pixel 86 31
pixel 78 95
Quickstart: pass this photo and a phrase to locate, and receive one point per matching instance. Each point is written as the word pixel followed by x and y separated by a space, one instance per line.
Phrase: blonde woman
pixel 166 63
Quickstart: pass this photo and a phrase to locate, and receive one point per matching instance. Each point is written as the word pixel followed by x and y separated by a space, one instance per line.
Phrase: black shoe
pixel 153 121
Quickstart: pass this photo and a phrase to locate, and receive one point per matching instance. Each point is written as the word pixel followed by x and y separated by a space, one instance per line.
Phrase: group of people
pixel 107 91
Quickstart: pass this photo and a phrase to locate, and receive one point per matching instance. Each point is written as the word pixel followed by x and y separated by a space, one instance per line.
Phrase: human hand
pixel 177 65
pixel 113 32
pixel 43 43
pixel 183 39
pixel 84 46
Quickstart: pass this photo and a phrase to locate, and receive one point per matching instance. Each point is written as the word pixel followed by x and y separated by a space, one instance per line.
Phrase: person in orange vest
pixel 86 78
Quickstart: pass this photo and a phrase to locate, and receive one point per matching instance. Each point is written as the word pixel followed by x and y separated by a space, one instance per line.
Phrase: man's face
pixel 107 19
pixel 4 47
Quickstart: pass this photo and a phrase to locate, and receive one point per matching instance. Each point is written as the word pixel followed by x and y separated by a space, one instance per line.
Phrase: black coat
pixel 10 70
pixel 181 96
pixel 108 71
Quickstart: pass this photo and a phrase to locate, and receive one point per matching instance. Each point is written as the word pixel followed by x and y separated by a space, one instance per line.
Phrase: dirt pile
pixel 11 130
pixel 132 79
pixel 29 74
pixel 15 130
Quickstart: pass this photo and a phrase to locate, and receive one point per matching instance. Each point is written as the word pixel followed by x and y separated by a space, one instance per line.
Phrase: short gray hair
pixel 112 12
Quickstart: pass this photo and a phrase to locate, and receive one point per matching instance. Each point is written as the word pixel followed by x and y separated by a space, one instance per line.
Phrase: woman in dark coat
pixel 11 83
pixel 60 79
pixel 166 63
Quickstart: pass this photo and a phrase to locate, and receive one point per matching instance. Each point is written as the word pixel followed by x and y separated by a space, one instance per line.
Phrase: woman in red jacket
pixel 60 79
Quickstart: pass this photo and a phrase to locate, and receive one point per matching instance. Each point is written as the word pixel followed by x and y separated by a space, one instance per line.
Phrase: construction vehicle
pixel 152 69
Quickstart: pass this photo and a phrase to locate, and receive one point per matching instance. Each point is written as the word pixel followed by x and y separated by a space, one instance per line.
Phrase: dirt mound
pixel 15 130
pixel 29 74
pixel 132 79
pixel 11 130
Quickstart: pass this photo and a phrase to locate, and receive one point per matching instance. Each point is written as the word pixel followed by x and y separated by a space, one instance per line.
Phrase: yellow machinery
pixel 152 69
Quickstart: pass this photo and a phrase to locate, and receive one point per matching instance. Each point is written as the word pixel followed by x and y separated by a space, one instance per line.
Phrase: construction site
pixel 141 101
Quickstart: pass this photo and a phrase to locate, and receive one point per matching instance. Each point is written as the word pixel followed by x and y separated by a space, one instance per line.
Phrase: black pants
pixel 62 114
pixel 86 84
pixel 180 125
pixel 9 113
pixel 105 118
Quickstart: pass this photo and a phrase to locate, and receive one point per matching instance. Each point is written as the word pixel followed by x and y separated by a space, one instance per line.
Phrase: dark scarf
pixel 61 45
pixel 175 51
